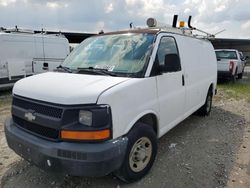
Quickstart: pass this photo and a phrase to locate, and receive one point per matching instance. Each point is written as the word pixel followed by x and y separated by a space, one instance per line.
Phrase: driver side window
pixel 167 46
pixel 166 50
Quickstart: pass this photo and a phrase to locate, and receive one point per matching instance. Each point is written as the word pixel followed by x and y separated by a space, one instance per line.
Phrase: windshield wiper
pixel 96 70
pixel 64 68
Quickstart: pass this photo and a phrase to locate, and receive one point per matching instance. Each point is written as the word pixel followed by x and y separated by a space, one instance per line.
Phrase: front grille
pixel 36 129
pixel 38 108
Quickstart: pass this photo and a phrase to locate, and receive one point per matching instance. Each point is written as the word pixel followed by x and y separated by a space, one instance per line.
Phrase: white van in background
pixel 114 96
pixel 25 54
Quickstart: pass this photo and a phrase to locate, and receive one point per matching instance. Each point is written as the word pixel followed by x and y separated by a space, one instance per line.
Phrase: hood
pixel 65 88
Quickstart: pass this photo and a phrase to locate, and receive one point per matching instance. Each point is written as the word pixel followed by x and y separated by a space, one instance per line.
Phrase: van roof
pixel 144 30
pixel 226 50
pixel 150 31
pixel 32 35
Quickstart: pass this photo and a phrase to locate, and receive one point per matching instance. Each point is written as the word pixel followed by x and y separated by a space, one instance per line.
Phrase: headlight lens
pixel 85 117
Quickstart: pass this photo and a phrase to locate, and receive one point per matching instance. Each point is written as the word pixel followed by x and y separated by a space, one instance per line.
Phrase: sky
pixel 109 15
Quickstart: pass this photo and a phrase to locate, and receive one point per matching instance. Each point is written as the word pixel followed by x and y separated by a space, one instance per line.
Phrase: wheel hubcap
pixel 140 154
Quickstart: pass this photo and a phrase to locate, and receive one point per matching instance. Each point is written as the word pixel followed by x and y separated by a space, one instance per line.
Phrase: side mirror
pixel 171 63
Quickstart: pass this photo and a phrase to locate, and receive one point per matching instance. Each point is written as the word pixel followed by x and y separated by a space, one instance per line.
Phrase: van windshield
pixel 226 55
pixel 120 54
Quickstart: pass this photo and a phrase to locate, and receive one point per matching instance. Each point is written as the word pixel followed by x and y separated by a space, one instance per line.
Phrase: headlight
pixel 88 123
pixel 85 117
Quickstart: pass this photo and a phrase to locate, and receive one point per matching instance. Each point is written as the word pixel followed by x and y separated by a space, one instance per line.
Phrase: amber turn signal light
pixel 85 135
pixel 182 24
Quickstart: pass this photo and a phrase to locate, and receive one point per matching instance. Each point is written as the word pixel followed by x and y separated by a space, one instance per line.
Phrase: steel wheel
pixel 140 154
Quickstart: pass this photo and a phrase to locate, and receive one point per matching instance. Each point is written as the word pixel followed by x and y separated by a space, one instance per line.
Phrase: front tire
pixel 140 154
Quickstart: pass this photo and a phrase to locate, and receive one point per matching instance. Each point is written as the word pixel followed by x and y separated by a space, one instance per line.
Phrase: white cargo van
pixel 25 54
pixel 113 97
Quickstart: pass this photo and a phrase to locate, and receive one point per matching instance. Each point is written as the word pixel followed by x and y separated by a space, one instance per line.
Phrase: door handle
pixel 183 80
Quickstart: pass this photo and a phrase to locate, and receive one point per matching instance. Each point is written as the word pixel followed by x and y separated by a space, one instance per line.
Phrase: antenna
pixel 209 35
pixel 220 32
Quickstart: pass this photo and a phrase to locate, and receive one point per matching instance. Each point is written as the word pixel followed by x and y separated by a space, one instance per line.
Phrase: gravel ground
pixel 200 152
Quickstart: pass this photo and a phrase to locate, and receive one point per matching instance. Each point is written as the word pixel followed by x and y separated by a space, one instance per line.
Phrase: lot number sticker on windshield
pixel 106 67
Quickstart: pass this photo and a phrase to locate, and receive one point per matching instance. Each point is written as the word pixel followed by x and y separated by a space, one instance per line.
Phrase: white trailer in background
pixel 25 54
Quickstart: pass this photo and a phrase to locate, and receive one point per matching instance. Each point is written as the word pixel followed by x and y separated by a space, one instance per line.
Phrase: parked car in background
pixel 229 64
pixel 25 54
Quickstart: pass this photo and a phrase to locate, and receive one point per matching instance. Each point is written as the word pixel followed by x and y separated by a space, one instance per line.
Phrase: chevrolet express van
pixel 105 107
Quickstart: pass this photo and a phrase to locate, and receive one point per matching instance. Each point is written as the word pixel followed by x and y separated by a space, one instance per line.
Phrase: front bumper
pixel 77 159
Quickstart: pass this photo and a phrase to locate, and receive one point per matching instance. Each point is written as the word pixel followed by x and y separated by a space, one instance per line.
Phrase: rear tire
pixel 233 78
pixel 140 154
pixel 206 108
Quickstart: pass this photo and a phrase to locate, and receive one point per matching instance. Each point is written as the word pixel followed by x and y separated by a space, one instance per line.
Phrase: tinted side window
pixel 166 49
pixel 167 46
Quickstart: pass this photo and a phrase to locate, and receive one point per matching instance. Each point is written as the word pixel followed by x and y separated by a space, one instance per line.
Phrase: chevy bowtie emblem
pixel 29 116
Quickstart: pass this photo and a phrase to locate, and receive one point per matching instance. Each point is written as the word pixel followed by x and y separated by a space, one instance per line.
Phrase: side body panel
pixel 129 101
pixel 199 61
